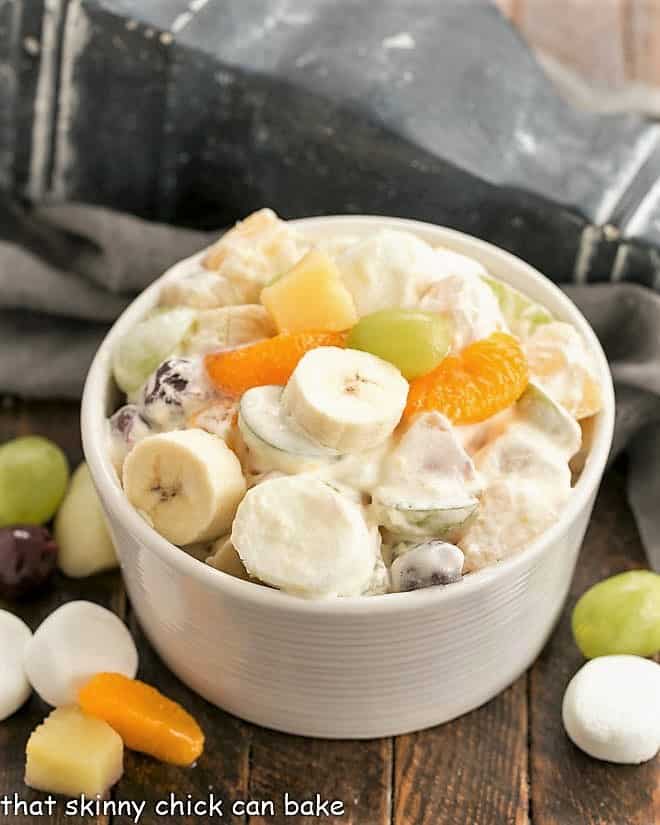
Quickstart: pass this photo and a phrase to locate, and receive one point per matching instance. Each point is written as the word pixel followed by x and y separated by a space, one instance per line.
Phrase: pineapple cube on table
pixel 71 753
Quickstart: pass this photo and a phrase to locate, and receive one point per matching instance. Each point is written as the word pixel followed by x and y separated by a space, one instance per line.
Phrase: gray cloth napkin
pixel 67 270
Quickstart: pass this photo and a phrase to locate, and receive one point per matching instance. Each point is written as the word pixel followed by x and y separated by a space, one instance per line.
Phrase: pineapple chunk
pixel 312 295
pixel 257 223
pixel 224 556
pixel 71 753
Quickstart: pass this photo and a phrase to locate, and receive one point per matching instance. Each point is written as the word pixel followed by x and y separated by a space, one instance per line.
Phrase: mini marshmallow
pixel 75 642
pixel 611 709
pixel 14 686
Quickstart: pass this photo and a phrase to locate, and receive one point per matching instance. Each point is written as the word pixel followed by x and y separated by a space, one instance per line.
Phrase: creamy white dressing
pixel 428 467
pixel 490 488
pixel 467 300
pixel 559 360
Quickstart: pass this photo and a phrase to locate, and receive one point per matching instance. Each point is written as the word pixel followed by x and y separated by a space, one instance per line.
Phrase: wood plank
pixel 221 771
pixel 14 732
pixel 471 770
pixel 224 767
pixel 568 787
pixel 59 421
pixel 358 773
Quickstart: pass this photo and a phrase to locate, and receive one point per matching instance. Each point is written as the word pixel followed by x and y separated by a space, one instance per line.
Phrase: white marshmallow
pixel 14 686
pixel 611 709
pixel 75 642
pixel 389 269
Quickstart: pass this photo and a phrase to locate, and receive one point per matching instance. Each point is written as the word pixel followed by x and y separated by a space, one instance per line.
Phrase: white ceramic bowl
pixel 354 667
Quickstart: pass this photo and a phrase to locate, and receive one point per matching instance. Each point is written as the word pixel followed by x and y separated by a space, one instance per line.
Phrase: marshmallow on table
pixel 611 709
pixel 14 686
pixel 75 642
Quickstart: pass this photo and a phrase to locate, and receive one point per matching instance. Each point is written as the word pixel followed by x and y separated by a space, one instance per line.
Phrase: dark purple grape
pixel 428 564
pixel 169 382
pixel 126 420
pixel 27 560
pixel 129 424
pixel 173 391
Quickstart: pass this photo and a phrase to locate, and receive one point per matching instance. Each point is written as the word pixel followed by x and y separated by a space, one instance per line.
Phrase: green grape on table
pixel 34 474
pixel 147 344
pixel 412 340
pixel 619 615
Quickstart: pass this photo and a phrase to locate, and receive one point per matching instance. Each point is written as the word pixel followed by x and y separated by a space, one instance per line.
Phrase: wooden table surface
pixel 508 762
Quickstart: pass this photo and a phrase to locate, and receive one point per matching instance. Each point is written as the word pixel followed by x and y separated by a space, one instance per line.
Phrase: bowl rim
pixel 94 434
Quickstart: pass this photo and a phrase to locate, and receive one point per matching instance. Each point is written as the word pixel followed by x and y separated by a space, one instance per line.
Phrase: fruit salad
pixel 358 416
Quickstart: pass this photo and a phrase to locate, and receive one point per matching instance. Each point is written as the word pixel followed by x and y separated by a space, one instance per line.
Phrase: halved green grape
pixel 149 343
pixel 412 340
pixel 272 439
pixel 429 485
pixel 414 520
pixel 537 408
pixel 521 313
pixel 620 615
pixel 34 474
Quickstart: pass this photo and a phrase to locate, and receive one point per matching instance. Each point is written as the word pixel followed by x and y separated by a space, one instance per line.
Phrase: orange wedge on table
pixel 146 720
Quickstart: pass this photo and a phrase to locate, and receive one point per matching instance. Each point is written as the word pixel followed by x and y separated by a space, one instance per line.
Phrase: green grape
pixel 33 478
pixel 537 408
pixel 149 343
pixel 620 615
pixel 521 313
pixel 413 341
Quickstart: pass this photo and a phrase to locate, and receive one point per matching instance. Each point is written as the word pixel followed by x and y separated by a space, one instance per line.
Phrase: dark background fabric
pixel 197 113
pixel 128 113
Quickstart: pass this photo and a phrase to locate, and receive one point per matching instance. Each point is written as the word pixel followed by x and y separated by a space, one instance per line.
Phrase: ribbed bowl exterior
pixel 347 668
pixel 358 675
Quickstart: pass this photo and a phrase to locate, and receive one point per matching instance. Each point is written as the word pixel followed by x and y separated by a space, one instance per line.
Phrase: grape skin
pixel 34 474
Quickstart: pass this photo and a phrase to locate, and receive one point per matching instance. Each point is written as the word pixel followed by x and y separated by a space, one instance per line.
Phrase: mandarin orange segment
pixel 485 378
pixel 146 720
pixel 265 362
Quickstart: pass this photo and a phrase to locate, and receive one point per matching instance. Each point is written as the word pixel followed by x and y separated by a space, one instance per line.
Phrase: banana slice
pixel 300 535
pixel 429 484
pixel 186 483
pixel 273 439
pixel 345 399
pixel 226 327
